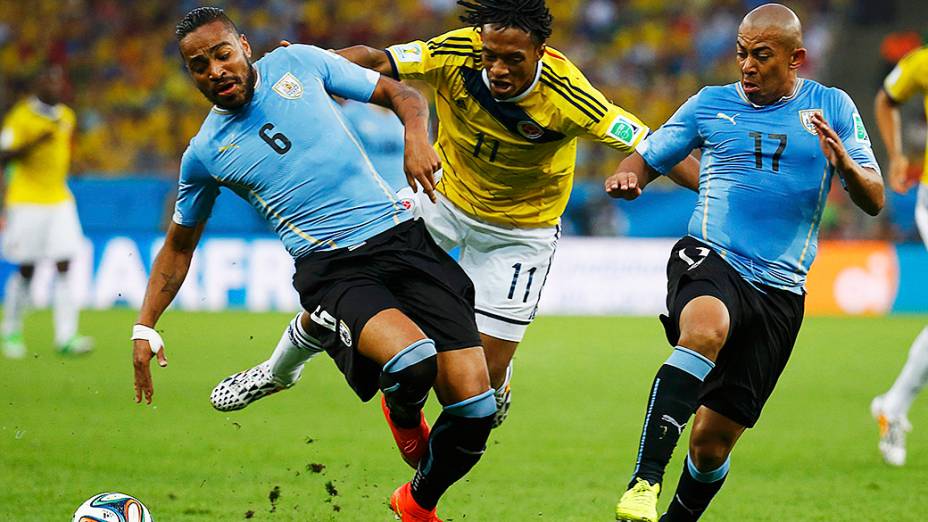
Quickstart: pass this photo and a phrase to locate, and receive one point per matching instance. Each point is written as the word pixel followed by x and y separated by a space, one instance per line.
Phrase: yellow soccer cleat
pixel 639 504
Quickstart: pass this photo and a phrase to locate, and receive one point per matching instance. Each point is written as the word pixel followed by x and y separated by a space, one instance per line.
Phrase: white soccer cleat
pixel 239 390
pixel 14 347
pixel 892 433
pixel 503 402
pixel 77 345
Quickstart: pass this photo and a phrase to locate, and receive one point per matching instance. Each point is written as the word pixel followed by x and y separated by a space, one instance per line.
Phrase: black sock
pixel 405 412
pixel 457 442
pixel 694 492
pixel 406 380
pixel 673 398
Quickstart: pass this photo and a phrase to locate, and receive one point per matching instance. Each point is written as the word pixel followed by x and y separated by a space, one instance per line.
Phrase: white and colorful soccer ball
pixel 112 507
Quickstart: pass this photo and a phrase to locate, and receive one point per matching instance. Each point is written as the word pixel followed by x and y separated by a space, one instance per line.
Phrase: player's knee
pixel 407 378
pixel 709 452
pixel 709 458
pixel 476 407
pixel 707 471
pixel 705 337
pixel 474 416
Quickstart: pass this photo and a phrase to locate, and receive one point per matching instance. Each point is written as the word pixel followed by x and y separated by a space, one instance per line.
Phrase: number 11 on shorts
pixel 517 270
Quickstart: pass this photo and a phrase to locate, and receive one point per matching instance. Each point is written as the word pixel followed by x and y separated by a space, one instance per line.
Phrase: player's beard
pixel 249 90
pixel 250 82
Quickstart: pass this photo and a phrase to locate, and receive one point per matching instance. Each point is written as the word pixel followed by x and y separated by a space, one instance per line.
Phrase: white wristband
pixel 144 333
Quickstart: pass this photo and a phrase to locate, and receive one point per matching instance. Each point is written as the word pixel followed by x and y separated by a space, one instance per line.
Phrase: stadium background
pixel 137 110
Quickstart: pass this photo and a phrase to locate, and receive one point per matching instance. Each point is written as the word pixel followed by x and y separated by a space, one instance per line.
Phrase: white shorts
pixel 508 266
pixel 41 232
pixel 921 212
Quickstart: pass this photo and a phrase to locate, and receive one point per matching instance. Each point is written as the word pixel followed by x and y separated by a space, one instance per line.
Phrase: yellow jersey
pixel 908 78
pixel 511 162
pixel 40 176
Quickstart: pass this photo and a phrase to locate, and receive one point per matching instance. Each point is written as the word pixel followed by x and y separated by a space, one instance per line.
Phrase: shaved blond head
pixel 775 22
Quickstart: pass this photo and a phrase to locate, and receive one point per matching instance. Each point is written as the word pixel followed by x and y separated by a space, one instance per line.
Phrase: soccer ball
pixel 112 507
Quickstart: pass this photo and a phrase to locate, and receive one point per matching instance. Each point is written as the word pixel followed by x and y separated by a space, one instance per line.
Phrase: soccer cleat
pixel 892 433
pixel 407 509
pixel 239 390
pixel 13 346
pixel 412 442
pixel 503 398
pixel 639 504
pixel 77 345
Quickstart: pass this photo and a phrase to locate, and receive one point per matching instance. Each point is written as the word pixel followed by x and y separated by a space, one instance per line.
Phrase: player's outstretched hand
pixel 831 144
pixel 421 162
pixel 623 185
pixel 146 343
pixel 899 174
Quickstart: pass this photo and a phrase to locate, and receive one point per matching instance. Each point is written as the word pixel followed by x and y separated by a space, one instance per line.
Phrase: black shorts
pixel 764 324
pixel 401 268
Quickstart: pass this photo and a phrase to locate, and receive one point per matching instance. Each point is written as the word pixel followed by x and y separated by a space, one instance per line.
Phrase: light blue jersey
pixel 763 176
pixel 290 153
pixel 383 137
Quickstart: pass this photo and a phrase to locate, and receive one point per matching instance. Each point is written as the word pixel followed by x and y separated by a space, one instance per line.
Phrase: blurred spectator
pixel 137 110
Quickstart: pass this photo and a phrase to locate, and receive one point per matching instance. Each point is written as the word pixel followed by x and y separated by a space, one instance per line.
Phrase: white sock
pixel 506 380
pixel 898 399
pixel 64 311
pixel 294 349
pixel 15 304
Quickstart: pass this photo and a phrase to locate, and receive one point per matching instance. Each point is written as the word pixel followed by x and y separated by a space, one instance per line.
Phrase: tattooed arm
pixel 420 161
pixel 167 275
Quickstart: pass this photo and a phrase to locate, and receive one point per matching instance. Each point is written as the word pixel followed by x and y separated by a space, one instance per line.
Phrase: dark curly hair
pixel 532 16
pixel 200 17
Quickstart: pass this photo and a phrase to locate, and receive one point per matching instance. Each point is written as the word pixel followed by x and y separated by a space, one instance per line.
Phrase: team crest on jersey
pixel 806 118
pixel 408 53
pixel 530 130
pixel 344 333
pixel 289 87
pixel 624 130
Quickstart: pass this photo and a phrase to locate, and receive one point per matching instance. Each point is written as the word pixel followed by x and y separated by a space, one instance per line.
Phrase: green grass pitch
pixel 69 428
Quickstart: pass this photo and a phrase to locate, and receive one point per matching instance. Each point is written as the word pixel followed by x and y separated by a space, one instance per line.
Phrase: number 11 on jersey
pixel 515 281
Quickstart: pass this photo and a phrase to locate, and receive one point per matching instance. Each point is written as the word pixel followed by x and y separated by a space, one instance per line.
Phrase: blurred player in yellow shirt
pixel 40 217
pixel 909 78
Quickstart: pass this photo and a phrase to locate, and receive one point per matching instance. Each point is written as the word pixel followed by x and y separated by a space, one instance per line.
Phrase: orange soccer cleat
pixel 412 442
pixel 407 509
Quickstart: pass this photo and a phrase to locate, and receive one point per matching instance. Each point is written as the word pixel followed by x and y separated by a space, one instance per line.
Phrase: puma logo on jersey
pixel 703 254
pixel 727 117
